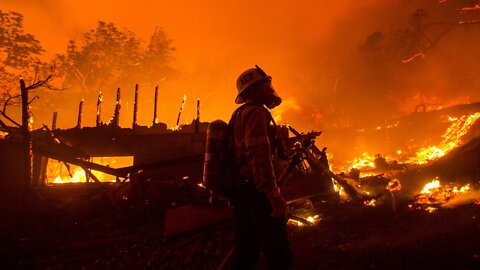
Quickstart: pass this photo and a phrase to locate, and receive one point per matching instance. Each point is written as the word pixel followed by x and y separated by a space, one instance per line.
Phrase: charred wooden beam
pixel 89 174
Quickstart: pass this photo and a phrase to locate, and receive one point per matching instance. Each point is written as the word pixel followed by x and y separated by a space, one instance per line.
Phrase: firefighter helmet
pixel 247 79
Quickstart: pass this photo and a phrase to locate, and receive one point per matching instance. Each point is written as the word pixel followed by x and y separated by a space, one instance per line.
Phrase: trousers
pixel 257 231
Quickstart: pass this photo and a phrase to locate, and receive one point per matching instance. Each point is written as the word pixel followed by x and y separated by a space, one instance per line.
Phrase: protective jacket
pixel 254 142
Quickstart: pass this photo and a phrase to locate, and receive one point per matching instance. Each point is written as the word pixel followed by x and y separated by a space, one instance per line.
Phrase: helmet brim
pixel 239 99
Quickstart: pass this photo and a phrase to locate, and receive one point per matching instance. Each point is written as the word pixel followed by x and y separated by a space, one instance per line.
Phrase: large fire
pixel 366 161
pixel 451 139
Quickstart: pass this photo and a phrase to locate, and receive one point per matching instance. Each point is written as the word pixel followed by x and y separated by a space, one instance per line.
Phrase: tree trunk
pixel 27 137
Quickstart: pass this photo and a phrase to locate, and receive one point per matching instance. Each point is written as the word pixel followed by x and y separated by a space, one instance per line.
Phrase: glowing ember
pixel 3 134
pixel 309 220
pixel 371 202
pixel 451 139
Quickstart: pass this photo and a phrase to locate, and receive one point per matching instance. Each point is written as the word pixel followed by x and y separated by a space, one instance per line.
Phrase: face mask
pixel 271 98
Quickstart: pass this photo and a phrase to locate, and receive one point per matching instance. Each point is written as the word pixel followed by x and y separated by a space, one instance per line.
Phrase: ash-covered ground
pixel 346 236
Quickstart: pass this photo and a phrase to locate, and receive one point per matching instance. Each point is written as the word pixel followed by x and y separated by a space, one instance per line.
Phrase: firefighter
pixel 259 207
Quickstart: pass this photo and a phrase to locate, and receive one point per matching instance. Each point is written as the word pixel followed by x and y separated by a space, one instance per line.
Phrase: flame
pixel 451 139
pixel 78 176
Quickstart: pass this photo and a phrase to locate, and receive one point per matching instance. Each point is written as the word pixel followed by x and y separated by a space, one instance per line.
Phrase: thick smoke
pixel 323 55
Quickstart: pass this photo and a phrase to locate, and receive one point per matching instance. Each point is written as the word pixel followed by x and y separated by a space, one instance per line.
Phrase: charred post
pixel 80 114
pixel 99 109
pixel 181 109
pixel 135 107
pixel 155 106
pixel 54 120
pixel 116 115
pixel 197 121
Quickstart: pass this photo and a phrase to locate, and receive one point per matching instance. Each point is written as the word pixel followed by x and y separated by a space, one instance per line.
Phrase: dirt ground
pixel 346 236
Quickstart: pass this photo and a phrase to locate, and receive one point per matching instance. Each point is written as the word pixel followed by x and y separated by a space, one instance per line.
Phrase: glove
pixel 279 206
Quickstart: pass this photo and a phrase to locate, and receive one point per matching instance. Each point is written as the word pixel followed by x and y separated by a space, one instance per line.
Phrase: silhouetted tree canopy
pixel 19 52
pixel 109 57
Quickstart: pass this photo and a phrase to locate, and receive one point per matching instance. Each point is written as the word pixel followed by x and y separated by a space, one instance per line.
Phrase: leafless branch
pixel 36 97
pixel 11 100
pixel 10 119
pixel 434 42
pixel 36 71
pixel 45 83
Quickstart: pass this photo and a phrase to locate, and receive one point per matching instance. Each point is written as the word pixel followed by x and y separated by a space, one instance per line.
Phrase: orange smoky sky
pixel 307 46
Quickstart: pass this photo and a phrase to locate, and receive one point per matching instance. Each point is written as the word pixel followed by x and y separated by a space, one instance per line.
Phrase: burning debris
pixel 434 195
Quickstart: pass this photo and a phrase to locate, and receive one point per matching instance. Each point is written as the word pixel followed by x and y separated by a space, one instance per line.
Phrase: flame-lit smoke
pixel 312 53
